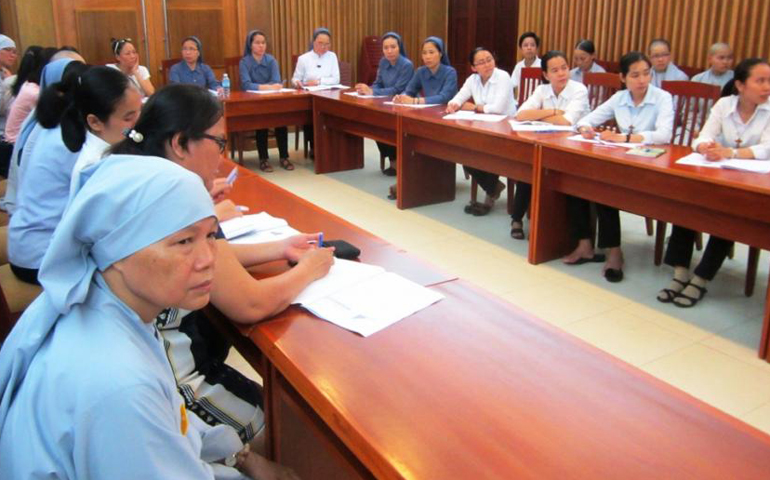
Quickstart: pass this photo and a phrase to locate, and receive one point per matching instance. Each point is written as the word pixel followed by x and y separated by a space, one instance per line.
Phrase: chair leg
pixel 233 146
pixel 650 227
pixel 751 271
pixel 382 162
pixel 240 137
pixel 474 191
pixel 660 240
pixel 699 241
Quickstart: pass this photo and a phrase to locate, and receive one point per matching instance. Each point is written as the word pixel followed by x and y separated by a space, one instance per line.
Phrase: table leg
pixel 335 150
pixel 764 342
pixel 422 180
pixel 549 236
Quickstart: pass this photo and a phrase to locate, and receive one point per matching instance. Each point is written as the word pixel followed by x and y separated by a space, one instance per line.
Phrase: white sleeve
pixel 500 97
pixel 577 106
pixel 334 77
pixel 603 113
pixel 144 72
pixel 761 151
pixel 534 101
pixel 516 75
pixel 664 123
pixel 713 126
pixel 299 71
pixel 465 93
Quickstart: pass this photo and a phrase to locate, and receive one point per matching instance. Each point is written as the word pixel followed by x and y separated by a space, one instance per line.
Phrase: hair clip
pixel 137 137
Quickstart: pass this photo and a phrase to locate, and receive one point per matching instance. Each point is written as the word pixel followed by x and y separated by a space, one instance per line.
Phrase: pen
pixel 321 240
pixel 232 176
pixel 242 208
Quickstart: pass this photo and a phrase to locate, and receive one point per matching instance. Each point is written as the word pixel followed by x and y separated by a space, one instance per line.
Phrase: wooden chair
pixel 601 86
pixel 369 61
pixel 346 73
pixel 610 67
pixel 166 66
pixel 15 297
pixel 531 77
pixel 690 71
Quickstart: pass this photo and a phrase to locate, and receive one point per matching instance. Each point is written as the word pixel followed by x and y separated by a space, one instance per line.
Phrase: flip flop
pixel 597 258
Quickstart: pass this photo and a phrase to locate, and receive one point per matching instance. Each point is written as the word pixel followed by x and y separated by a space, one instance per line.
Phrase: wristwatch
pixel 235 460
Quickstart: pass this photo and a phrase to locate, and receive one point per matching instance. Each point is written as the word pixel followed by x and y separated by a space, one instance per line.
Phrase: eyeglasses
pixel 221 142
pixel 10 50
pixel 189 49
pixel 660 55
pixel 484 61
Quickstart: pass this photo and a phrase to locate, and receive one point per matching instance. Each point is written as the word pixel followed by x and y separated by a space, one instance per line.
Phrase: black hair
pixel 741 73
pixel 551 54
pixel 55 99
pixel 629 59
pixel 525 35
pixel 117 44
pixel 586 46
pixel 98 92
pixel 178 108
pixel 30 68
pixel 660 40
pixel 68 48
pixel 476 50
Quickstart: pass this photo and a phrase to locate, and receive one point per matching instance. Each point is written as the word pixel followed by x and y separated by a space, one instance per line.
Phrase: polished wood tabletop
pixel 245 111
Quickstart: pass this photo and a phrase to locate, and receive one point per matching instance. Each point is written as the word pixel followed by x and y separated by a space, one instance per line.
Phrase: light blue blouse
pixel 254 73
pixel 202 75
pixel 393 79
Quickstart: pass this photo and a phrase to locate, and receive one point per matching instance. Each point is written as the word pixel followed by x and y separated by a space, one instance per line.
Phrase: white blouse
pixel 496 95
pixel 573 100
pixel 311 66
pixel 725 127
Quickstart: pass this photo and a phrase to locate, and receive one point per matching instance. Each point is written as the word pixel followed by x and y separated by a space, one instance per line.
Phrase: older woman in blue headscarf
pixel 192 69
pixel 87 391
pixel 317 66
pixel 259 71
pixel 436 78
pixel 393 74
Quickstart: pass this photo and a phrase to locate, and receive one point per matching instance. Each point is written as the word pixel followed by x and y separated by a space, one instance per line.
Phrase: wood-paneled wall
pixel 349 21
pixel 618 26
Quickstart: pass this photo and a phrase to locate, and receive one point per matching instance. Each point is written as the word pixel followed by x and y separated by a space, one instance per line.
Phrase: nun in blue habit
pixel 86 390
pixel 436 79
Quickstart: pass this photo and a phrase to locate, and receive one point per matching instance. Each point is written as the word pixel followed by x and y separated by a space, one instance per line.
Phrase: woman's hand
pixel 226 210
pixel 296 246
pixel 311 83
pixel 404 99
pixel 452 107
pixel 219 189
pixel 715 152
pixel 364 89
pixel 612 136
pixel 587 132
pixel 318 261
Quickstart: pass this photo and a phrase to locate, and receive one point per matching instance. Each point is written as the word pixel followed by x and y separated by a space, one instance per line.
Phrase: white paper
pixel 318 88
pixel 238 226
pixel 604 143
pixel 343 274
pixel 697 160
pixel 356 94
pixel 534 126
pixel 264 236
pixel 265 92
pixel 416 105
pixel 477 117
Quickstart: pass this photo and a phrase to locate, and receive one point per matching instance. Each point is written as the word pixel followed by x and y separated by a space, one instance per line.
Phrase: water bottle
pixel 226 85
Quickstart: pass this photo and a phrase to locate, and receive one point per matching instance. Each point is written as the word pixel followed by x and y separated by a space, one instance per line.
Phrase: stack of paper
pixel 604 143
pixel 535 126
pixel 258 228
pixel 364 298
pixel 415 105
pixel 698 160
pixel 479 117
pixel 356 94
pixel 263 92
pixel 318 88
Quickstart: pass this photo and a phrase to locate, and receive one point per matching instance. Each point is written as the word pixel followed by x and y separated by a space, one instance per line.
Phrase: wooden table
pixel 472 387
pixel 727 203
pixel 246 112
pixel 341 121
pixel 429 147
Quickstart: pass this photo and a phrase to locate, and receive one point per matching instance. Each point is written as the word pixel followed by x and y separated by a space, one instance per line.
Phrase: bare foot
pixel 614 259
pixel 584 249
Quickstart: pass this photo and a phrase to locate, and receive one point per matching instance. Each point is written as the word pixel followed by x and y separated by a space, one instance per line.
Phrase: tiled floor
pixel 708 351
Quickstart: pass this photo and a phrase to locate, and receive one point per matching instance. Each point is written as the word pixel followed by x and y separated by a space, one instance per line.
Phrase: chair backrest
pixel 531 77
pixel 166 66
pixel 611 67
pixel 231 67
pixel 690 71
pixel 601 86
pixel 692 103
pixel 371 53
pixel 346 73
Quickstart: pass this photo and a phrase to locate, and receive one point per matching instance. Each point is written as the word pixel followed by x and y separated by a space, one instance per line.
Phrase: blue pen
pixel 320 240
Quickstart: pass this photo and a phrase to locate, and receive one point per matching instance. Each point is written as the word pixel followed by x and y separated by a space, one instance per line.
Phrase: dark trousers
pixel 487 181
pixel 281 137
pixel 308 131
pixel 521 201
pixel 6 150
pixel 680 248
pixel 388 151
pixel 27 275
pixel 579 217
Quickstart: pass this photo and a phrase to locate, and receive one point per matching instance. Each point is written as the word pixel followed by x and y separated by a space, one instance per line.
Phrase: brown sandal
pixel 264 165
pixel 286 164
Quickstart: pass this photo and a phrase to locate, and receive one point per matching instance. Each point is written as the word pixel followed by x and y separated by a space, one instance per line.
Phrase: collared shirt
pixel 25 101
pixel 671 73
pixel 437 88
pixel 709 77
pixel 91 153
pixel 201 75
pixel 311 66
pixel 496 95
pixel 392 79
pixel 143 73
pixel 653 119
pixel 725 126
pixel 43 193
pixel 573 100
pixel 576 74
pixel 516 75
pixel 255 73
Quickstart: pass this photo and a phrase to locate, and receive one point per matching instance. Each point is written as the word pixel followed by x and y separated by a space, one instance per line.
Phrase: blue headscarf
pixel 52 73
pixel 316 32
pixel 440 45
pixel 250 38
pixel 397 37
pixel 121 210
pixel 198 44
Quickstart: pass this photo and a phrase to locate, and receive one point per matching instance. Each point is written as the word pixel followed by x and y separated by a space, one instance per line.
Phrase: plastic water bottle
pixel 226 85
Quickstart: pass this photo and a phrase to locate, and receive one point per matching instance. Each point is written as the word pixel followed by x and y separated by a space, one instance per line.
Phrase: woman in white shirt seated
pixel 560 101
pixel 491 91
pixel 643 114
pixel 737 127
pixel 317 66
pixel 529 43
pixel 127 61
pixel 583 57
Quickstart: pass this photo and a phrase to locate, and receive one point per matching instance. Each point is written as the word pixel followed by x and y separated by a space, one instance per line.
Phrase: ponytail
pixel 55 99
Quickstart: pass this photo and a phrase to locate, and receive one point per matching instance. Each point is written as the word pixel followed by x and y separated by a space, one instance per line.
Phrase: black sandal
pixel 286 164
pixel 470 207
pixel 517 233
pixel 692 300
pixel 264 165
pixel 392 193
pixel 670 295
pixel 481 209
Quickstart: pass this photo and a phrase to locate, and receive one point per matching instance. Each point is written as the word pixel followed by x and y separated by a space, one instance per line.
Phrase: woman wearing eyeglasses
pixel 127 61
pixel 192 69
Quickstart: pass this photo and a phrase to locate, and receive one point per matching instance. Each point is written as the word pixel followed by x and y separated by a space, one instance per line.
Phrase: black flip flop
pixel 597 258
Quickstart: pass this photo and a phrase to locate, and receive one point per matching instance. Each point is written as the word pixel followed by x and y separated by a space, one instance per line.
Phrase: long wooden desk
pixel 429 147
pixel 472 388
pixel 341 121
